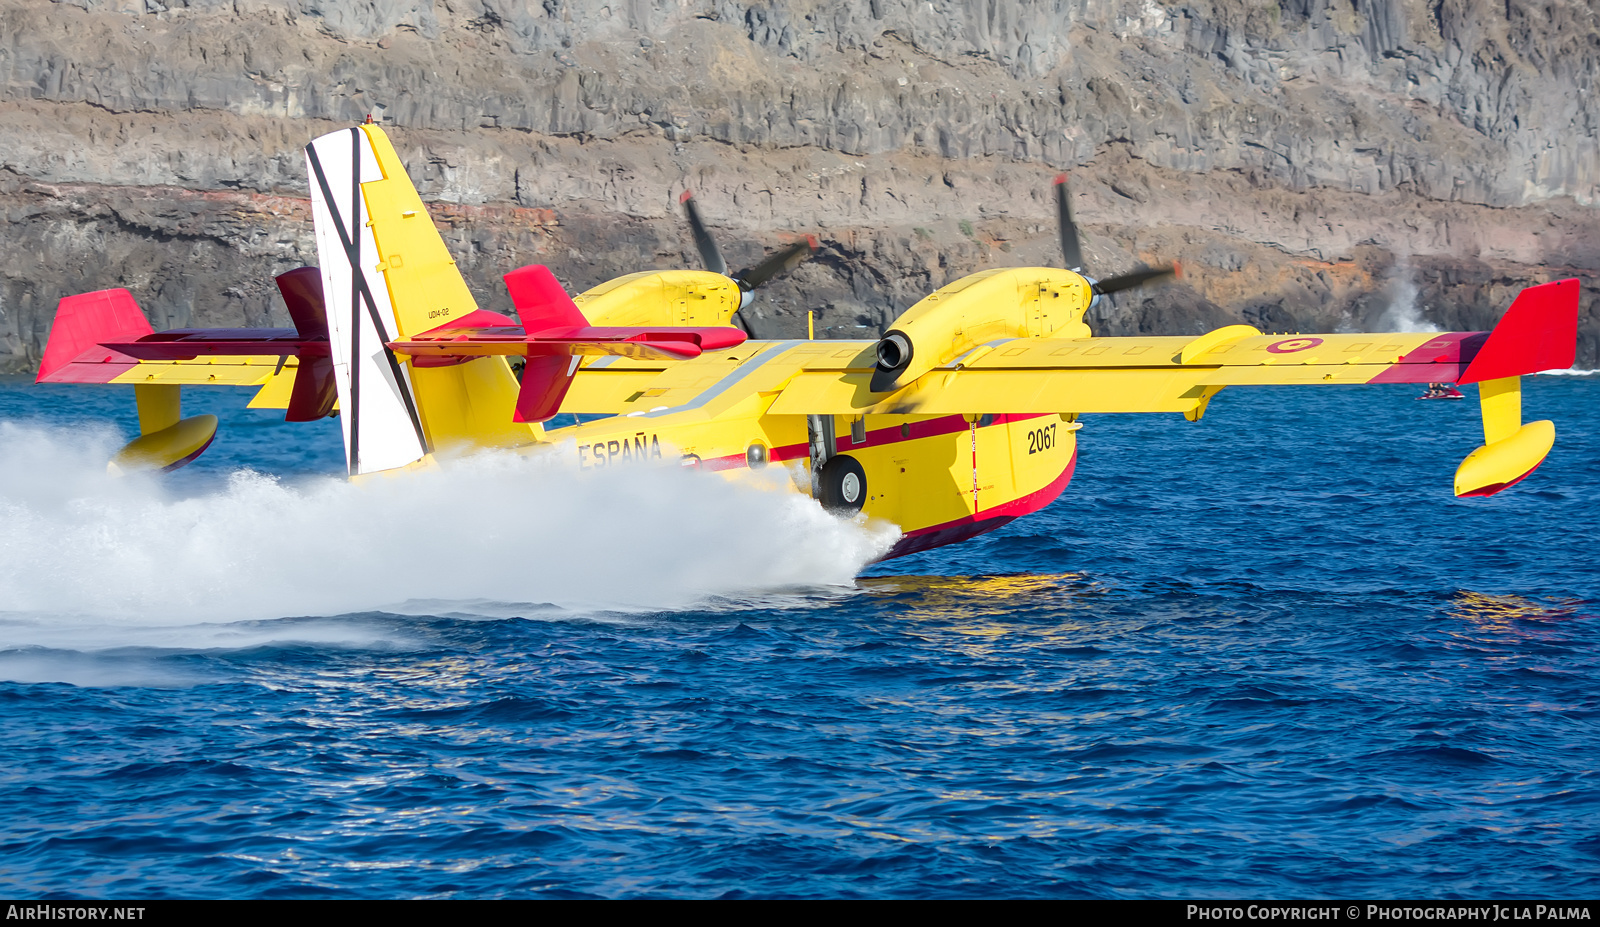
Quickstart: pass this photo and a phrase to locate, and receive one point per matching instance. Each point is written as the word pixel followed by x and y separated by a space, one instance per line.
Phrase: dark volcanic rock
pixel 1313 163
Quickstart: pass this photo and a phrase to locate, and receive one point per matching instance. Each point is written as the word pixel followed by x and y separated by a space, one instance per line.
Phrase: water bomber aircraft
pixel 963 416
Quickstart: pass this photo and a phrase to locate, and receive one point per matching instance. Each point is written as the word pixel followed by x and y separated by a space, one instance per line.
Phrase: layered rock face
pixel 1314 164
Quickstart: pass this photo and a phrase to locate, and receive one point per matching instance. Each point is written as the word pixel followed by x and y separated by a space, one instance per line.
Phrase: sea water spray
pixel 498 527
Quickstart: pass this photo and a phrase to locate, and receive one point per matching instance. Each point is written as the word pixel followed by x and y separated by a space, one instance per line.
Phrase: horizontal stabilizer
pixel 553 326
pixel 302 293
pixel 638 343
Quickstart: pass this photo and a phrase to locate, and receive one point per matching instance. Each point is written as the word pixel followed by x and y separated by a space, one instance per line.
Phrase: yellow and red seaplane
pixel 962 417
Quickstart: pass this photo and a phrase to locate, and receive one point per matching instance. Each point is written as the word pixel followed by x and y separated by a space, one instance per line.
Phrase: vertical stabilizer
pixel 427 287
pixel 386 275
pixel 378 413
pixel 466 404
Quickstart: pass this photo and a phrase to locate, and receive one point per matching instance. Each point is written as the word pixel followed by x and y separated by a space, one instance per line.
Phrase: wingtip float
pixel 1539 332
pixel 960 419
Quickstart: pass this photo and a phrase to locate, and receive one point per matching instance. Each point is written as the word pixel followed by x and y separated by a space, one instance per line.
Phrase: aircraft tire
pixel 842 485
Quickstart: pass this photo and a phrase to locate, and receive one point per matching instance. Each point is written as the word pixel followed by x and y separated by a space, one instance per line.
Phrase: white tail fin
pixel 378 409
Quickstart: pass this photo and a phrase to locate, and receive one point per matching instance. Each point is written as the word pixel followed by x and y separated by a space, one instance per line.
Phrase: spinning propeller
pixel 933 332
pixel 778 262
pixel 1074 253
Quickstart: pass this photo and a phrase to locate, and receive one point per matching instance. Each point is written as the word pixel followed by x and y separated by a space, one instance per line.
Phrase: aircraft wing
pixel 112 367
pixel 1025 375
pixel 1142 374
pixel 1180 374
pixel 103 337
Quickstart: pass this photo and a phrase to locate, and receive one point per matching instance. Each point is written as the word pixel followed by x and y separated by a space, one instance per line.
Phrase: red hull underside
pixel 962 529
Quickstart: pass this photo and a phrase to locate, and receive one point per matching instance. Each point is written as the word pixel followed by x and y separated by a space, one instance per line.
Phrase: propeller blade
pixel 1073 251
pixel 1069 232
pixel 710 255
pixel 776 263
pixel 1136 278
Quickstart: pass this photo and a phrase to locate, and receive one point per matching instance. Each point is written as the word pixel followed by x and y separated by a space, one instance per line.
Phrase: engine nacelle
pixel 662 297
pixel 1018 302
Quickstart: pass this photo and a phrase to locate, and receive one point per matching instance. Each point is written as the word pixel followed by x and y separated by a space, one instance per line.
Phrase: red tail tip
pixel 685 197
pixel 1061 178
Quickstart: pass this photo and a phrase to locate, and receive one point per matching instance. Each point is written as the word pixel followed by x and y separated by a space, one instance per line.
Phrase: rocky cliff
pixel 1315 164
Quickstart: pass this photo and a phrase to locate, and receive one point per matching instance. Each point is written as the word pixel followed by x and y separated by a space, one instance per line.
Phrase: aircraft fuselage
pixel 940 478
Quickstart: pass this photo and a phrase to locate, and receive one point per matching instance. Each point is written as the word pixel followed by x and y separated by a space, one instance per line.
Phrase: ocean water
pixel 1265 655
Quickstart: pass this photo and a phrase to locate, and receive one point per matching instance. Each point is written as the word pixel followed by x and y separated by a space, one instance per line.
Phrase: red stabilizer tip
pixel 302 294
pixel 715 339
pixel 1061 178
pixel 685 197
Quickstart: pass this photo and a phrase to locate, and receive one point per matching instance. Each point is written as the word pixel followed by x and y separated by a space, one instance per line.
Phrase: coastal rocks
pixel 1311 162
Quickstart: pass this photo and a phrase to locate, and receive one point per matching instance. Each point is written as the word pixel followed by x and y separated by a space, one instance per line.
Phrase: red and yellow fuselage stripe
pixel 939 478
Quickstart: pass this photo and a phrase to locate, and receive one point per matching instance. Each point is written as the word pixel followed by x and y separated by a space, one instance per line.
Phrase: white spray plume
pixel 1403 314
pixel 502 527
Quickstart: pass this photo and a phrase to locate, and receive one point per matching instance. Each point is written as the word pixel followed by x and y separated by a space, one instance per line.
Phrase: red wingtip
pixel 685 197
pixel 1061 178
pixel 86 321
pixel 812 241
pixel 1539 332
pixel 1177 270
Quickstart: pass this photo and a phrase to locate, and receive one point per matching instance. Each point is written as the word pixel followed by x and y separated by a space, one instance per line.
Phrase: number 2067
pixel 1042 439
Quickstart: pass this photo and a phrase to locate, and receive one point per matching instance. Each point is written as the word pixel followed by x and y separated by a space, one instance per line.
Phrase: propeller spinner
pixel 778 262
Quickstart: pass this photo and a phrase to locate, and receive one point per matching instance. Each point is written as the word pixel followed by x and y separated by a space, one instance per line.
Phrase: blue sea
pixel 1267 655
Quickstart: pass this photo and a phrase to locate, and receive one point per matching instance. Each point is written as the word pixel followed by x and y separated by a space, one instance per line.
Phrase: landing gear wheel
pixel 842 485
